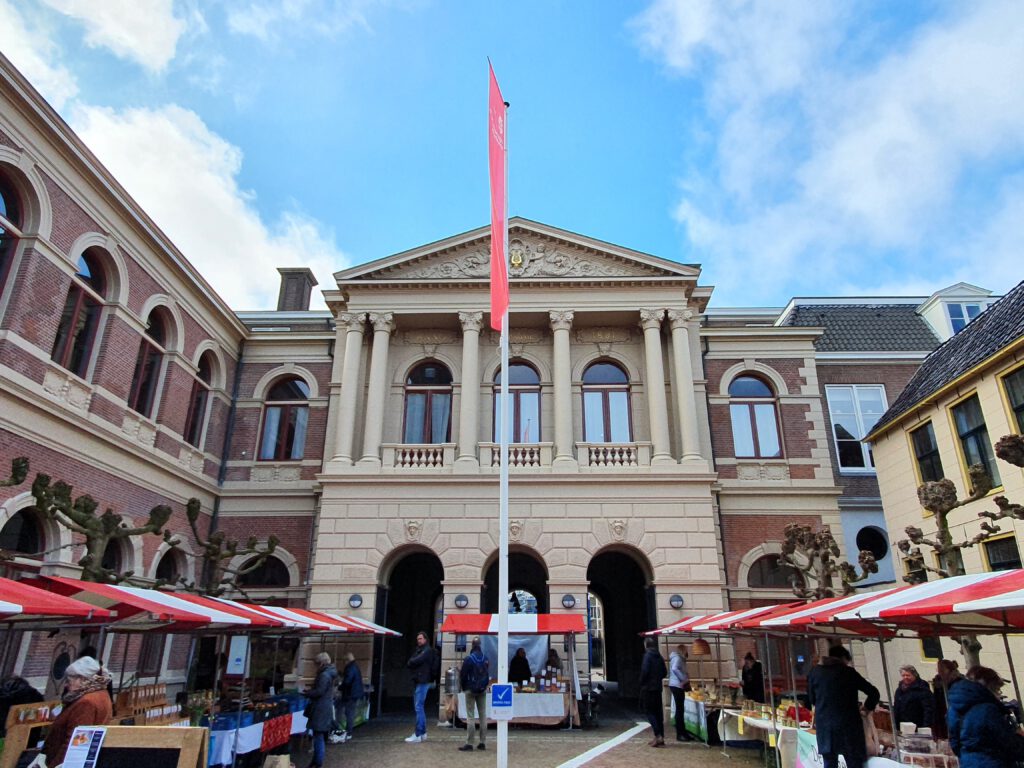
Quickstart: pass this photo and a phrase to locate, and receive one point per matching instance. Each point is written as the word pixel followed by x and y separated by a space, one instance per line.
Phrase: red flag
pixel 496 153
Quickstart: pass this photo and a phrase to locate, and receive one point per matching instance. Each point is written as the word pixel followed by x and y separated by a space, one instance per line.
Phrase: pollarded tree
pixel 815 554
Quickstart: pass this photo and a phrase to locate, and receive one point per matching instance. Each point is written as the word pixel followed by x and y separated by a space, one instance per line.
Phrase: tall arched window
pixel 148 365
pixel 196 418
pixel 10 227
pixel 428 404
pixel 755 422
pixel 606 411
pixel 524 405
pixel 72 348
pixel 285 420
pixel 769 572
pixel 22 534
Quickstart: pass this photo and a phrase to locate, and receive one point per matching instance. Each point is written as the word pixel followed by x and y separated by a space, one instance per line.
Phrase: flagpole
pixel 503 496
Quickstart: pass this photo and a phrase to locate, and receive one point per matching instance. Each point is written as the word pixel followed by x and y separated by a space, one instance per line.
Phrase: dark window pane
pixel 205 371
pixel 415 417
pixel 1015 394
pixel 519 374
pixel 167 569
pixel 873 540
pixel 151 654
pixel 196 414
pixel 430 375
pixel 21 533
pixel 9 207
pixel 748 386
pixel 289 389
pixel 771 573
pixel 270 573
pixel 1003 554
pixel 90 272
pixel 605 373
pixel 927 452
pixel 931 648
pixel 112 557
pixel 440 416
pixel 82 335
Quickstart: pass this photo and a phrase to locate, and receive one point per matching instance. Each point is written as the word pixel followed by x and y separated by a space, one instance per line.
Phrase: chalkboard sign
pixel 133 757
pixel 152 747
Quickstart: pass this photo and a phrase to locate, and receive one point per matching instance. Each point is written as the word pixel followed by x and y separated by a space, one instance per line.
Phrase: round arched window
pixel 79 321
pixel 270 573
pixel 873 540
pixel 10 223
pixel 428 404
pixel 149 363
pixel 755 422
pixel 524 406
pixel 769 572
pixel 606 408
pixel 285 420
pixel 22 534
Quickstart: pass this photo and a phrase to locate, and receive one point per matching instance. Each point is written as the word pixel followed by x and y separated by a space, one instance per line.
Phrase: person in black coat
pixel 320 717
pixel 948 676
pixel 979 733
pixel 421 664
pixel 519 668
pixel 753 679
pixel 913 701
pixel 15 690
pixel 652 672
pixel 832 688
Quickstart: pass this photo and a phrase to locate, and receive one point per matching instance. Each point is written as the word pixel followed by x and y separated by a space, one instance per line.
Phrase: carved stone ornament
pixel 603 335
pixel 651 318
pixel 561 320
pixel 471 321
pixel 515 530
pixel 617 528
pixel 353 321
pixel 383 321
pixel 432 336
pixel 678 317
pixel 413 528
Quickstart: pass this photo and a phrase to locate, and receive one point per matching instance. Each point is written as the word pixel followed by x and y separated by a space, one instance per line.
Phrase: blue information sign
pixel 501 701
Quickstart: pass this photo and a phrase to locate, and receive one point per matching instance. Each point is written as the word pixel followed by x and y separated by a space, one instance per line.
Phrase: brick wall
pixel 741 533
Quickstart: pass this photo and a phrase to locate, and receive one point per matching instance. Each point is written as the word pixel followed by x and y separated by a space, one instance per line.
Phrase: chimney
pixel 296 285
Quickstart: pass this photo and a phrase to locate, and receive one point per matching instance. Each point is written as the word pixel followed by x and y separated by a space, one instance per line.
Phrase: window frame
pixel 965 313
pixel 747 403
pixel 936 453
pixel 779 566
pixel 430 391
pixel 151 650
pixel 86 310
pixel 283 449
pixel 986 452
pixel 10 227
pixel 198 402
pixel 605 391
pixel 1015 413
pixel 1011 536
pixel 149 364
pixel 516 391
pixel 866 452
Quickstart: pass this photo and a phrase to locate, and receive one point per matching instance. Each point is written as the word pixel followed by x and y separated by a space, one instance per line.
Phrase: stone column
pixel 469 407
pixel 650 321
pixel 561 322
pixel 686 403
pixel 383 323
pixel 348 402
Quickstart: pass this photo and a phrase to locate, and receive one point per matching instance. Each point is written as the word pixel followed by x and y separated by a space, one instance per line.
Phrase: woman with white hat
pixel 86 702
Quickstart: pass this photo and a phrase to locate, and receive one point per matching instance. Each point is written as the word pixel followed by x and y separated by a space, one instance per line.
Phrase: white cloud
pixel 189 188
pixel 832 167
pixel 30 49
pixel 267 19
pixel 144 31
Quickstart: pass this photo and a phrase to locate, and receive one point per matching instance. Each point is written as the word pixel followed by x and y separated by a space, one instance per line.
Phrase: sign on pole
pixel 501 701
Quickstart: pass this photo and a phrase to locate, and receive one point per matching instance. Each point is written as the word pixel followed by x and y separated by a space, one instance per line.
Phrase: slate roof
pixel 866 327
pixel 994 329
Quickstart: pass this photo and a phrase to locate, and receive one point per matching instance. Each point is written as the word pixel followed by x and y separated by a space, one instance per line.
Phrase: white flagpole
pixel 503 497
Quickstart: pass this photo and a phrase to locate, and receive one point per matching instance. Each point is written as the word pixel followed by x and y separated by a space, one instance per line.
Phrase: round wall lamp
pixel 355 601
pixel 461 601
pixel 568 601
pixel 676 601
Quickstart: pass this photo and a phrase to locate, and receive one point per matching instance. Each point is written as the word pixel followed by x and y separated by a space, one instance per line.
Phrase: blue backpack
pixel 477 676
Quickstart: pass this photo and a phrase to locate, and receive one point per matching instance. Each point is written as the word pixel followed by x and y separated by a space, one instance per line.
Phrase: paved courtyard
pixel 379 744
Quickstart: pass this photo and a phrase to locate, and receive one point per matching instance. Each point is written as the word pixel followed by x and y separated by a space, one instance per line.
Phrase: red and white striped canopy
pixel 715 622
pixel 319 621
pixel 23 602
pixel 518 624
pixel 820 616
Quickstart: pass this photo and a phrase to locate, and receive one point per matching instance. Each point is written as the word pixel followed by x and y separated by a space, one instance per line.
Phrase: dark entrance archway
pixel 620 582
pixel 526 572
pixel 407 602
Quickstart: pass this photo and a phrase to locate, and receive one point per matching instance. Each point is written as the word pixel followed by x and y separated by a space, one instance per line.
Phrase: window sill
pixel 858 472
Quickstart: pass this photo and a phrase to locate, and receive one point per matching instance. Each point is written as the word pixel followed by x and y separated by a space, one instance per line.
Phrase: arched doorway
pixel 407 601
pixel 526 574
pixel 620 580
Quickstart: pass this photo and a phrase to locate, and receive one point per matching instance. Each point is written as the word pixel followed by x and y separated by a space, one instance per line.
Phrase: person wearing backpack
pixel 474 679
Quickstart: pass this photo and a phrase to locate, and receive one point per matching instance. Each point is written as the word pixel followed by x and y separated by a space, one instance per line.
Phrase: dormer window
pixel 960 314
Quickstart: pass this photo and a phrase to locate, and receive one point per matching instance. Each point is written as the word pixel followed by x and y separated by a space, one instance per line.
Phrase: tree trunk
pixel 970 647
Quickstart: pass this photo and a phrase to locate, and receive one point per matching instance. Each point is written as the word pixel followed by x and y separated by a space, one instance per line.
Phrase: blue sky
pixel 789 148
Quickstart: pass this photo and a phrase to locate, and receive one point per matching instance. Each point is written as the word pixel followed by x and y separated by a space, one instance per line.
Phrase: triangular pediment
pixel 536 251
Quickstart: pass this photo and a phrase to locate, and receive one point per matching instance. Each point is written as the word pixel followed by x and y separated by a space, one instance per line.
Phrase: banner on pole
pixel 496 153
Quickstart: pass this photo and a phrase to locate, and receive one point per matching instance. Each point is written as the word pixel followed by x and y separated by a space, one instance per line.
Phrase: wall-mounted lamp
pixel 355 601
pixel 676 601
pixel 568 601
pixel 461 601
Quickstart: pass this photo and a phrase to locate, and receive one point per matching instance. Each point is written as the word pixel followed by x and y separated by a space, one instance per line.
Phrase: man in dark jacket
pixel 350 693
pixel 421 663
pixel 979 733
pixel 652 672
pixel 948 676
pixel 473 679
pixel 320 710
pixel 753 679
pixel 832 688
pixel 912 702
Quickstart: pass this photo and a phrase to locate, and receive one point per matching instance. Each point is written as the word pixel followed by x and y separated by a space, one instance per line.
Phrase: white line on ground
pixel 600 749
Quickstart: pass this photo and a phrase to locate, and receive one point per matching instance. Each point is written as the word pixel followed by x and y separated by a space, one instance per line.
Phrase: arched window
pixel 755 423
pixel 285 420
pixel 524 405
pixel 769 572
pixel 148 365
pixel 270 573
pixel 10 226
pixel 170 568
pixel 428 404
pixel 606 412
pixel 196 418
pixel 22 534
pixel 113 558
pixel 72 348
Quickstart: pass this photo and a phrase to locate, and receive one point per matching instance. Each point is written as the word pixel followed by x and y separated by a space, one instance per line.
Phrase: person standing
pixel 980 734
pixel 753 679
pixel 474 679
pixel 421 663
pixel 948 674
pixel 320 717
pixel 519 668
pixel 832 688
pixel 351 691
pixel 85 702
pixel 652 672
pixel 679 684
pixel 912 702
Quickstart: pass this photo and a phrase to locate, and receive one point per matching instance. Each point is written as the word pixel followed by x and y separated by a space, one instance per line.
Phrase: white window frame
pixel 965 313
pixel 855 389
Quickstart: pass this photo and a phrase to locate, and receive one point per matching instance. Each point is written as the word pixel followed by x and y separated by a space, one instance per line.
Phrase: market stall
pixel 553 698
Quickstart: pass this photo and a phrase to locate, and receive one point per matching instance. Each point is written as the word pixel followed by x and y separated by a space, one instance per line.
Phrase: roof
pixel 994 329
pixel 518 624
pixel 866 327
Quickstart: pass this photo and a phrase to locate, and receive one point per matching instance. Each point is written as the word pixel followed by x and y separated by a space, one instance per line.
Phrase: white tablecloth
pixel 529 706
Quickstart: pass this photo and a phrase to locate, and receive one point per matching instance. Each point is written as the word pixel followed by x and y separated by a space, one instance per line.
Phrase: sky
pixel 790 148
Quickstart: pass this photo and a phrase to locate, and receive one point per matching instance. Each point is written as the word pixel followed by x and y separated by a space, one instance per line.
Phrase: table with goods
pixel 546 699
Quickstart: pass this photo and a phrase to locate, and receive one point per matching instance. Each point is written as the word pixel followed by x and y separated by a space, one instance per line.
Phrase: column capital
pixel 678 318
pixel 651 318
pixel 471 321
pixel 353 321
pixel 382 321
pixel 561 320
